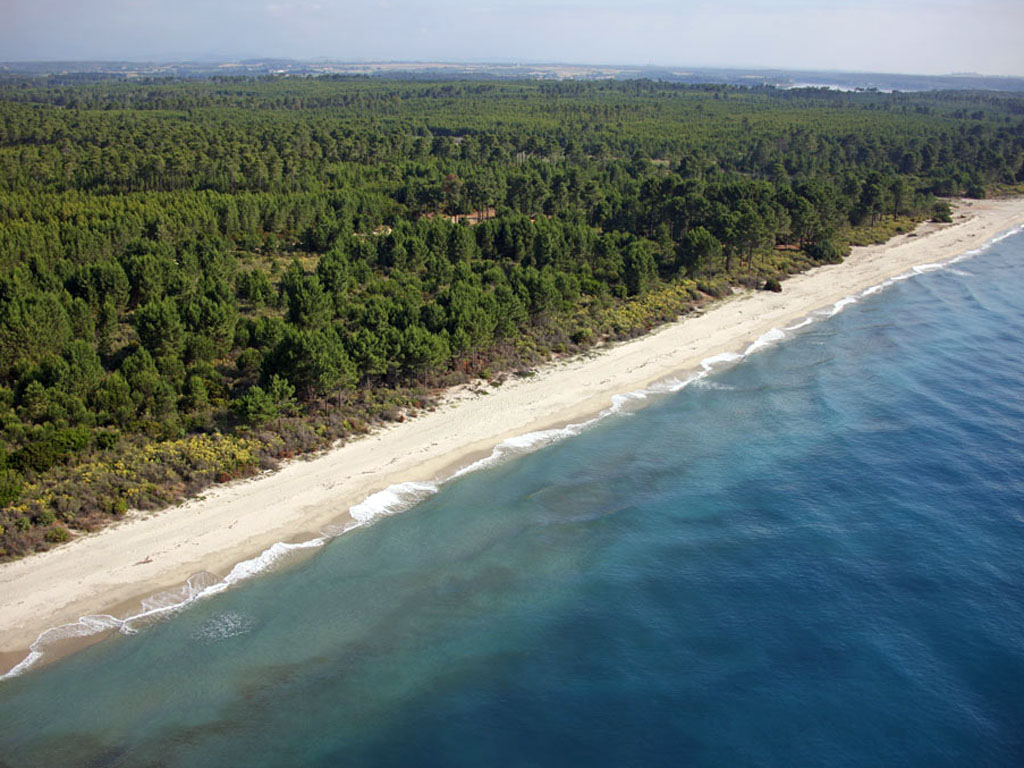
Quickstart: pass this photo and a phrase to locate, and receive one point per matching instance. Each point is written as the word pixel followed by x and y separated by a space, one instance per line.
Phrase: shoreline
pixel 233 531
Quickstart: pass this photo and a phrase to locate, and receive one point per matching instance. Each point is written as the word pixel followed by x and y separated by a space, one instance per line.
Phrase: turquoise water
pixel 811 557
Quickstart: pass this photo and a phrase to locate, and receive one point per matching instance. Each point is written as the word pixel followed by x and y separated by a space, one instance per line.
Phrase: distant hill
pixel 782 78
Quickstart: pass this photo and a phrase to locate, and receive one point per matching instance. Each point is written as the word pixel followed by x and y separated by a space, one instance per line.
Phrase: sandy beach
pixel 111 571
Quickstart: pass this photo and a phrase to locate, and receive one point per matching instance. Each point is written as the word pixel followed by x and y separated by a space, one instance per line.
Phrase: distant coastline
pixel 111 571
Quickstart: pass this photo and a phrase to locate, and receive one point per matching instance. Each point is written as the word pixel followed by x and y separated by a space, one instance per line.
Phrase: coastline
pixel 112 570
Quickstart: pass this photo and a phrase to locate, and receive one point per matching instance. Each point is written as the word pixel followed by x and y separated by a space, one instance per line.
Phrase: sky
pixel 910 36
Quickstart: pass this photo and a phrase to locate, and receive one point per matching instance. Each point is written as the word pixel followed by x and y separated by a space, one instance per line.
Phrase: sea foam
pixel 840 305
pixel 773 336
pixel 393 499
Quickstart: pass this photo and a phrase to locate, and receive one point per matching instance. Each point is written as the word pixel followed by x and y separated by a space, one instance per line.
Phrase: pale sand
pixel 111 570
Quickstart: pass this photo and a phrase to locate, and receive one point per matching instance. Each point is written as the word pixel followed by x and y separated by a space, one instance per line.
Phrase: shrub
pixel 57 535
pixel 584 335
pixel 10 486
pixel 716 290
pixel 772 284
pixel 107 439
pixel 53 448
pixel 828 251
pixel 749 281
pixel 256 406
pixel 941 212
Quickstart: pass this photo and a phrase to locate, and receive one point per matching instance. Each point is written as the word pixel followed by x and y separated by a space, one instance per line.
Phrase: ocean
pixel 810 555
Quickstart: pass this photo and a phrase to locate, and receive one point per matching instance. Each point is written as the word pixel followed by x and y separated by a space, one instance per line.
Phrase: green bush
pixel 10 486
pixel 941 212
pixel 715 289
pixel 52 448
pixel 107 439
pixel 255 407
pixel 582 335
pixel 57 535
pixel 828 251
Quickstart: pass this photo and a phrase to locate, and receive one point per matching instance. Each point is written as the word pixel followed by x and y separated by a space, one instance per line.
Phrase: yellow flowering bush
pixel 145 476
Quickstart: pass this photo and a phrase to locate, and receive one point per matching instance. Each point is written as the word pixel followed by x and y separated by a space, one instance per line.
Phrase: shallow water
pixel 814 556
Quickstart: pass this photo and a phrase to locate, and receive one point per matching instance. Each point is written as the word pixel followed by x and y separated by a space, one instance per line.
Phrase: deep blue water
pixel 814 557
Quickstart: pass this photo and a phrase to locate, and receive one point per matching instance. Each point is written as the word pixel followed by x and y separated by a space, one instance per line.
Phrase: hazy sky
pixel 915 36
